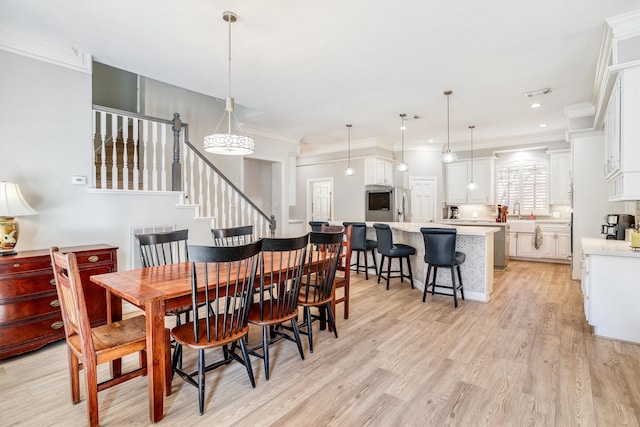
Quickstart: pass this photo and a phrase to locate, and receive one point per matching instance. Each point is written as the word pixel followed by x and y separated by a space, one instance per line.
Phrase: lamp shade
pixel 12 202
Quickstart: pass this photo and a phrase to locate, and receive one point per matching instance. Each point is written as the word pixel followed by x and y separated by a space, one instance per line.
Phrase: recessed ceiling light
pixel 543 125
pixel 536 105
pixel 430 140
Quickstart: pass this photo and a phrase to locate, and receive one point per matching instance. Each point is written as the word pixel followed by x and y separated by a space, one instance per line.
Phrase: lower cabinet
pixel 30 314
pixel 612 295
pixel 555 245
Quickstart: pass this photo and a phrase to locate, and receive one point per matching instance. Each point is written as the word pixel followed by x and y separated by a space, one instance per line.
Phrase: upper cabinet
pixel 622 133
pixel 560 162
pixel 459 175
pixel 378 171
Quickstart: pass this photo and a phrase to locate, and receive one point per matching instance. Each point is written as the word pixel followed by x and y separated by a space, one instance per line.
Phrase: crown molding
pixel 20 43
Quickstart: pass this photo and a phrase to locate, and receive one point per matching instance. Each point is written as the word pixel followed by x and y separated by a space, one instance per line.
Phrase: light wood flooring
pixel 525 358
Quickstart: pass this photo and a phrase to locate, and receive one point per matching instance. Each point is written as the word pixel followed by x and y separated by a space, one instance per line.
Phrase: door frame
pixel 310 183
pixel 435 193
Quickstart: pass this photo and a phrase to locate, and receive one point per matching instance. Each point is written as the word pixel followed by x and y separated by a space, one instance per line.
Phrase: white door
pixel 423 199
pixel 321 201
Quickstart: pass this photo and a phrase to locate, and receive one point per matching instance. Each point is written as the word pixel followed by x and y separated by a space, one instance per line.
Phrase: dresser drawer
pixel 31 335
pixel 22 312
pixel 24 287
pixel 86 259
pixel 25 266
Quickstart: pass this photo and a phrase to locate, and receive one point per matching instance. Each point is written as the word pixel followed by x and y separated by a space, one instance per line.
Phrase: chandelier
pixel 229 143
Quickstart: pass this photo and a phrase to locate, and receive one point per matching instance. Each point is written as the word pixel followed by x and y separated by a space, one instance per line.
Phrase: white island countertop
pixel 598 246
pixel 414 227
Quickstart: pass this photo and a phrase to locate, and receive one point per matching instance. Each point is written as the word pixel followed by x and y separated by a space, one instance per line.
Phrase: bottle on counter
pixel 635 237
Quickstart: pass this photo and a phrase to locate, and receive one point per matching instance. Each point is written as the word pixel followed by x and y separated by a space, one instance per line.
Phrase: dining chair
pixel 281 267
pixel 222 278
pixel 233 236
pixel 162 248
pixel 318 286
pixel 440 251
pixel 317 225
pixel 89 347
pixel 343 271
pixel 360 244
pixel 389 250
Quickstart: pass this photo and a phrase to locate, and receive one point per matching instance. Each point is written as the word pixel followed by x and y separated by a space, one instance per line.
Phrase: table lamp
pixel 12 204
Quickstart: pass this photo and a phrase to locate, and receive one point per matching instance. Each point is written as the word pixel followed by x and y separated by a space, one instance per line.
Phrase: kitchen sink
pixel 522 226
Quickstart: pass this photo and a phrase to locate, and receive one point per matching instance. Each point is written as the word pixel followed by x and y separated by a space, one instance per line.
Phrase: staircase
pixel 144 154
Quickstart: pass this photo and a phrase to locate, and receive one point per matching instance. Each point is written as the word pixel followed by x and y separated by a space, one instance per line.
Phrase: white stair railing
pixel 131 154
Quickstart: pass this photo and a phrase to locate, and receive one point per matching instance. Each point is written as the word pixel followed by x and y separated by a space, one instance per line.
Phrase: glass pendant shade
pixel 448 156
pixel 229 143
pixel 403 166
pixel 472 184
pixel 349 171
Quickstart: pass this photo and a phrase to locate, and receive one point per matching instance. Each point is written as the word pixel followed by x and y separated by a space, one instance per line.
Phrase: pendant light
pixel 229 143
pixel 448 156
pixel 472 184
pixel 402 167
pixel 349 171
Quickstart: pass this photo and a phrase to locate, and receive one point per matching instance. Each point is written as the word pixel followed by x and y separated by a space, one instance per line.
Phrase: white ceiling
pixel 303 69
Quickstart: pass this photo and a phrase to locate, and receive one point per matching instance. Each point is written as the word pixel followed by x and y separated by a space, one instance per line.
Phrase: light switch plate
pixel 78 180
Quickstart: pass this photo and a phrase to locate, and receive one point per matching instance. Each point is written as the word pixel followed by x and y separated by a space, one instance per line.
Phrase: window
pixel 525 182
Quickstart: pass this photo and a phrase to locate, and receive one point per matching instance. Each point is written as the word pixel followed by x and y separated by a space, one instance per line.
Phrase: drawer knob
pixel 55 303
pixel 57 325
pixel 93 258
pixel 52 282
pixel 16 265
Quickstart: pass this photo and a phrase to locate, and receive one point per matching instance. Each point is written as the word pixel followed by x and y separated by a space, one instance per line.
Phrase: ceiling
pixel 303 69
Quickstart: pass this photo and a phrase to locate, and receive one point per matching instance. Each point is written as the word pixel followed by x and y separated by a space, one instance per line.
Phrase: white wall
pixel 45 139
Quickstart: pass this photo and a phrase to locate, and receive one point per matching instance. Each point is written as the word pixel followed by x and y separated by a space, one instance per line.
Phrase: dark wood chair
pixel 277 300
pixel 360 244
pixel 89 347
pixel 316 226
pixel 440 251
pixel 222 278
pixel 318 286
pixel 389 250
pixel 233 236
pixel 164 248
pixel 343 271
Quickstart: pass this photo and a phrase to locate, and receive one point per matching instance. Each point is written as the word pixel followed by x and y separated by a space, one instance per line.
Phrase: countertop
pixel 414 227
pixel 598 246
pixel 493 221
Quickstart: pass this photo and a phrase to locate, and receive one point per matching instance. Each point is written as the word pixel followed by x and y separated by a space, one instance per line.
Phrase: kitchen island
pixel 475 242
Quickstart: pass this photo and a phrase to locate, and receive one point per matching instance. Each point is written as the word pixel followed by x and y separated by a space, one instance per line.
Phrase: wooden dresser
pixel 30 314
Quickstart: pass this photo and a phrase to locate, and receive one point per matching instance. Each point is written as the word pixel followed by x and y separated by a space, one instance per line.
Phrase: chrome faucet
pixel 516 209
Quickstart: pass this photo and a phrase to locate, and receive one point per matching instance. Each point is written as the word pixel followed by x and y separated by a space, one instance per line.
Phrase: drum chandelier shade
pixel 448 156
pixel 349 171
pixel 229 143
pixel 403 166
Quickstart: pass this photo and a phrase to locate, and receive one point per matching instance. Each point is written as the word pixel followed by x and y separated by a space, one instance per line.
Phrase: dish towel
pixel 538 240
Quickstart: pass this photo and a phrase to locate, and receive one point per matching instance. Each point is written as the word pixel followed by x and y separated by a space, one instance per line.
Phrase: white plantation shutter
pixel 526 182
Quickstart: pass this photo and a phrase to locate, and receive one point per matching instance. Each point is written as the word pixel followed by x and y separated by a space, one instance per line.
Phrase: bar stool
pixel 386 248
pixel 440 251
pixel 360 243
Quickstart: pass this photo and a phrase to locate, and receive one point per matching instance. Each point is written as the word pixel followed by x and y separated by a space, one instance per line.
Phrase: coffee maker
pixel 615 225
pixel 455 214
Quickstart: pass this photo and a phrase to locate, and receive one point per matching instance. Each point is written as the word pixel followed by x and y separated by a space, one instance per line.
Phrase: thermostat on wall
pixel 78 180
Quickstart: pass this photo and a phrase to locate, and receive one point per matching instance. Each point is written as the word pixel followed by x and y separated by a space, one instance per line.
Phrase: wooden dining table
pixel 155 290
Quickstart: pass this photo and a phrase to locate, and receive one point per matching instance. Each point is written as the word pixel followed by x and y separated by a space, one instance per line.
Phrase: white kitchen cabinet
pixel 526 245
pixel 612 295
pixel 556 242
pixel 622 132
pixel 459 175
pixel 513 244
pixel 378 171
pixel 560 162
